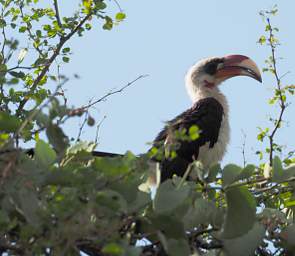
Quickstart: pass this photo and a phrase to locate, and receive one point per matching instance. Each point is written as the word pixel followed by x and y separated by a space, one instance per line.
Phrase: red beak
pixel 238 65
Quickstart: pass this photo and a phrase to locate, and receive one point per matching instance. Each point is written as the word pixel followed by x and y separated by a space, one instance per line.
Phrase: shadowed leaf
pixel 241 210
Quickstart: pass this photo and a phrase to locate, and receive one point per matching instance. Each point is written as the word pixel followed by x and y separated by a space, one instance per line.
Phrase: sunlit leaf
pixel 22 55
pixel 120 16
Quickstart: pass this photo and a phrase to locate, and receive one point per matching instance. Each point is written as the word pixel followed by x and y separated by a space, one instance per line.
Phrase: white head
pixel 203 78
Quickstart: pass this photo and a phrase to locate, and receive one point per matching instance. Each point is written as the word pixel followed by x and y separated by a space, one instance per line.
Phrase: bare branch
pixel 283 106
pixel 82 125
pixel 98 129
pixel 103 98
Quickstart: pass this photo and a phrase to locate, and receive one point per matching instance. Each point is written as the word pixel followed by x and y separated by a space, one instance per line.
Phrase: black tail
pixel 31 153
pixel 105 154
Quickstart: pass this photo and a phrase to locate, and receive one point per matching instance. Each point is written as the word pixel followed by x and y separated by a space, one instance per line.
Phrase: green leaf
pixel 120 16
pixel 100 4
pixel 241 209
pixel 57 138
pixel 287 235
pixel 193 132
pixel 88 26
pixel 44 154
pixel 213 172
pixel 277 170
pixel 170 225
pixel 245 245
pixel 19 74
pixel 66 50
pixel 112 200
pixel 230 174
pixel 109 167
pixel 3 69
pixel 65 59
pixel 288 173
pixel 202 212
pixel 28 203
pixel 262 40
pixel 22 54
pixel 168 197
pixel 22 29
pixel 142 200
pixel 247 172
pixel 113 249
pixel 4 219
pixel 108 23
pixel 177 247
pixel 2 23
pixel 233 173
pixel 9 123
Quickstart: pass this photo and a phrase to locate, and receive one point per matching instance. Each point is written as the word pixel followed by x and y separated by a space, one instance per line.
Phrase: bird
pixel 201 132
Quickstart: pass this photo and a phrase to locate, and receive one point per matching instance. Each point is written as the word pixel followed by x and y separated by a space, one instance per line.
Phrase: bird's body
pixel 176 148
pixel 210 113
pixel 209 116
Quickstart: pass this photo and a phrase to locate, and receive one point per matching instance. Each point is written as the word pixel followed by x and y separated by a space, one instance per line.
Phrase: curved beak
pixel 238 65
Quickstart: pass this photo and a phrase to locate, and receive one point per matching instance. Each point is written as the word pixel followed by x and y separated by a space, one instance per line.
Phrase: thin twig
pixel 98 129
pixel 118 5
pixel 243 148
pixel 103 98
pixel 82 125
pixel 18 67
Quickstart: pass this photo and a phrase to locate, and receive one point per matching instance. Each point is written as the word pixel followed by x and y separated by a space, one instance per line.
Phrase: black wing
pixel 207 115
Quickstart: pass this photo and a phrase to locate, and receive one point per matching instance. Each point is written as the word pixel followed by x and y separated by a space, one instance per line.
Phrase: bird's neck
pixel 202 92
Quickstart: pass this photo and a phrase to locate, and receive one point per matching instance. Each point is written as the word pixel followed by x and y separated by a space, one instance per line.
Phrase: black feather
pixel 207 114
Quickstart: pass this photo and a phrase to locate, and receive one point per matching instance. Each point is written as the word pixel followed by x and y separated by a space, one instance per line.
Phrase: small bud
pixel 90 121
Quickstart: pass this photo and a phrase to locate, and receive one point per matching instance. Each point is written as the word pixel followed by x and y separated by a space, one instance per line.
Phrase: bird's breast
pixel 210 156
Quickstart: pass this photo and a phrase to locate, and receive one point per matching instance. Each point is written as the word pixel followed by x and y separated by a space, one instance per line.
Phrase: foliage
pixel 62 200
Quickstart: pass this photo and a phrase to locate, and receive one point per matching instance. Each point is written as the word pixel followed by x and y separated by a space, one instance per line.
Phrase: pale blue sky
pixel 162 39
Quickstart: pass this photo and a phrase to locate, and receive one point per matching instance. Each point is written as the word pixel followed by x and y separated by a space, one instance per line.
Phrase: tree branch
pixel 57 16
pixel 31 36
pixel 272 44
pixel 56 52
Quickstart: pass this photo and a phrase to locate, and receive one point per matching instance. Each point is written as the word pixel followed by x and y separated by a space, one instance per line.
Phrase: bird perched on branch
pixel 201 132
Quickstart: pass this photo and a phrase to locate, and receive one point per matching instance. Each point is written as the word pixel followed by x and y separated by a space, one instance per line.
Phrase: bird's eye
pixel 211 68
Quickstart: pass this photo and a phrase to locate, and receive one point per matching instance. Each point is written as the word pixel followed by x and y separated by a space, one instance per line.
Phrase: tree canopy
pixel 59 199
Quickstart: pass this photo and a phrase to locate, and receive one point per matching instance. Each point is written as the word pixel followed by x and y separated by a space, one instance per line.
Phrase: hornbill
pixel 209 113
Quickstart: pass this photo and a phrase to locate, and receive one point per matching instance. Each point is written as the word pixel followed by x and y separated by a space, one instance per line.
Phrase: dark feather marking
pixel 207 114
